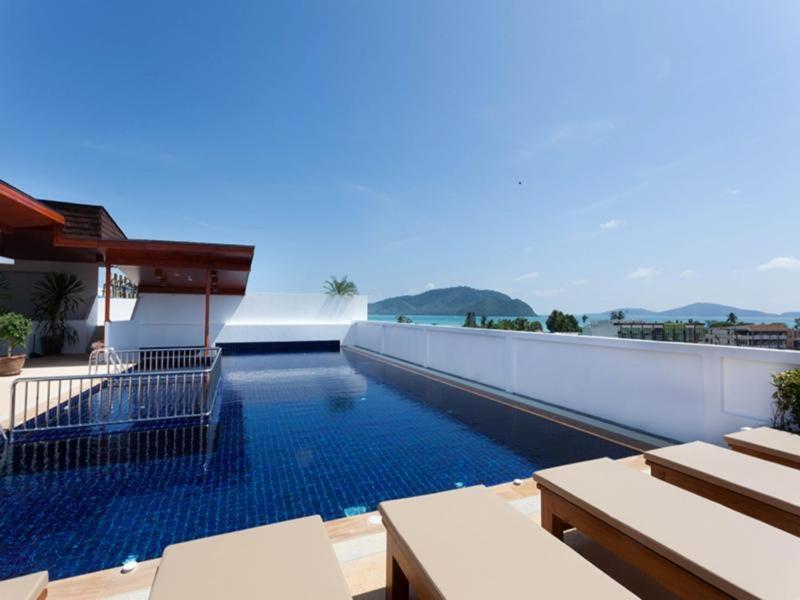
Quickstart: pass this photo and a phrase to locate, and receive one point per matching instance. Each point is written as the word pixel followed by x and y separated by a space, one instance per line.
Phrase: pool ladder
pixel 110 359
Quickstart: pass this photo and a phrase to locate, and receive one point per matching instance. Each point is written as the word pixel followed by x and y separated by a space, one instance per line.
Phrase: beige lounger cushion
pixel 289 560
pixel 739 555
pixel 767 482
pixel 769 441
pixel 471 544
pixel 27 587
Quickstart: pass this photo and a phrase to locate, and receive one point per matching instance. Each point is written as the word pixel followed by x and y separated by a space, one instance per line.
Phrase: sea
pixel 458 320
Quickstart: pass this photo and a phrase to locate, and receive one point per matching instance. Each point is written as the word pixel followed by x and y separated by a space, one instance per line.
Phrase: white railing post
pixel 383 338
pixel 713 394
pixel 426 362
pixel 510 351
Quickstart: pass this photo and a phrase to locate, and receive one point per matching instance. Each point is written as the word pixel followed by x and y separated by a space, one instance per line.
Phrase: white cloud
pixel 582 282
pixel 786 263
pixel 590 132
pixel 528 249
pixel 731 192
pixel 136 152
pixel 527 276
pixel 402 242
pixel 548 293
pixel 688 273
pixel 612 224
pixel 644 273
pixel 370 193
pixel 430 286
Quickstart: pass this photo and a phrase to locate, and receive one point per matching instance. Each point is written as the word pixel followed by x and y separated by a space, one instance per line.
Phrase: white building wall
pixel 675 390
pixel 163 320
pixel 121 310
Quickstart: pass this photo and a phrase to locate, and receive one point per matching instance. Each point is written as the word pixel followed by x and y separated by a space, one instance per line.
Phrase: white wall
pixel 177 319
pixel 121 309
pixel 675 390
pixel 23 275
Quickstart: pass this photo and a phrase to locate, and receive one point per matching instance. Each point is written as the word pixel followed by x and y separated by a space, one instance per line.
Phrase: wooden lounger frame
pixel 739 502
pixel 559 514
pixel 787 462
pixel 402 570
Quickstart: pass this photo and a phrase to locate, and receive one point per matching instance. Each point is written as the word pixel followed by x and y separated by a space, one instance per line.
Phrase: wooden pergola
pixel 161 267
pixel 49 230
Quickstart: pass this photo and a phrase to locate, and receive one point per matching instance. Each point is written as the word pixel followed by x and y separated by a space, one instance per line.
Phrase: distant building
pixel 669 331
pixel 601 329
pixel 773 335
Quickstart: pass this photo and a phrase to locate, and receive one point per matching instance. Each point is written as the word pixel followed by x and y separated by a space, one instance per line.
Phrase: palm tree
pixel 732 319
pixel 55 299
pixel 340 287
pixel 5 292
pixel 617 315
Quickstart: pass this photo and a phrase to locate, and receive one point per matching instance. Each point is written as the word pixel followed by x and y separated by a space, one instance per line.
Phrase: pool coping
pixel 640 441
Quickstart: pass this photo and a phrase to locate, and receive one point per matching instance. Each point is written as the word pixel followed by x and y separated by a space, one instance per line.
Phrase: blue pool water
pixel 330 433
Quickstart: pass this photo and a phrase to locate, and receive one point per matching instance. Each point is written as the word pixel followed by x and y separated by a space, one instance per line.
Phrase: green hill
pixel 453 301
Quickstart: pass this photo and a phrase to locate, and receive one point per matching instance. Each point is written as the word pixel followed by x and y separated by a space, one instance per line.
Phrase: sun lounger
pixel 289 560
pixel 769 444
pixel 766 491
pixel 694 547
pixel 27 587
pixel 469 544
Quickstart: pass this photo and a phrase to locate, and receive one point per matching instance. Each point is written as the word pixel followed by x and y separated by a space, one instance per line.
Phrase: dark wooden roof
pixel 86 221
pixel 65 231
pixel 20 210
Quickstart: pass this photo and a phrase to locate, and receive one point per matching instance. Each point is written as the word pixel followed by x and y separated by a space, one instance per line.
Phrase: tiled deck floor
pixel 46 366
pixel 360 544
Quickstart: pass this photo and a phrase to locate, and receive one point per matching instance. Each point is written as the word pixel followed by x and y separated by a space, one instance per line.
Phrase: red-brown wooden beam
pixel 177 289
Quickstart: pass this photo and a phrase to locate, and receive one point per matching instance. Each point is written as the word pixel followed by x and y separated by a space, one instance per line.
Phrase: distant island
pixel 453 301
pixel 701 310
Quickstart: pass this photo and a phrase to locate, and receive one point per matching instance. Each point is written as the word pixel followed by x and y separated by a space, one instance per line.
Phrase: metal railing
pixel 107 357
pixel 152 359
pixel 152 385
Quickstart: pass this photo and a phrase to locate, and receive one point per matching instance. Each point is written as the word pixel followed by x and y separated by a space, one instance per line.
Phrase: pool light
pixel 130 564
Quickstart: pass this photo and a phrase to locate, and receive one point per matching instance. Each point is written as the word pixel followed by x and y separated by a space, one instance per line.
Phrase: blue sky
pixel 578 155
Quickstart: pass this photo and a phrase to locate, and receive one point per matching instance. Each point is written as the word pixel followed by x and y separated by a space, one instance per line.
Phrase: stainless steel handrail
pixel 153 359
pixel 111 359
pixel 137 394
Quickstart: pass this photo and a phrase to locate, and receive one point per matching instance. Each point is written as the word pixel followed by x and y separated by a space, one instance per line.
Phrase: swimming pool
pixel 330 433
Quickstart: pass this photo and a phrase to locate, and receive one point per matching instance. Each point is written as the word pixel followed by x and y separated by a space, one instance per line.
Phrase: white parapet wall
pixel 675 390
pixel 164 320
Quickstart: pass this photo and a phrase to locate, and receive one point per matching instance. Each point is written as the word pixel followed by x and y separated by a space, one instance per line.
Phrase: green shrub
pixel 786 409
pixel 14 329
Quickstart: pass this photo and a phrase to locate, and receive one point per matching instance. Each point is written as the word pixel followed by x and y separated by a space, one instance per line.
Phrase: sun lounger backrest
pixel 767 443
pixel 288 560
pixel 26 587
pixel 767 482
pixel 740 555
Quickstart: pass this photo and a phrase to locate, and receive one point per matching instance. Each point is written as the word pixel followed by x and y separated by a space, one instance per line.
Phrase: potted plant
pixel 56 298
pixel 786 409
pixel 14 330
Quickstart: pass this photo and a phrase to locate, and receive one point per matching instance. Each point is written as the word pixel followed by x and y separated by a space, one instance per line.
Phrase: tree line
pixel 557 322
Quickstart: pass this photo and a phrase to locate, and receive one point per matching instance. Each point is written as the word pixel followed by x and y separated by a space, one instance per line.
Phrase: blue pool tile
pixel 329 433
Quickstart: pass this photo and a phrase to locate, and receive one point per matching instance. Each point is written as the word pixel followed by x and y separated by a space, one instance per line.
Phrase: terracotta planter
pixel 11 365
pixel 52 344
